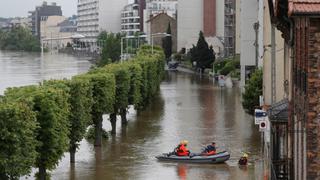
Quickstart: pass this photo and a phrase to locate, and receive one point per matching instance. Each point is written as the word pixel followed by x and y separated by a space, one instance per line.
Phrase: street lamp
pixel 155 35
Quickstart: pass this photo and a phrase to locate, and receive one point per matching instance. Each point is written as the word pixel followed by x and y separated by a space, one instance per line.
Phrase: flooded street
pixel 187 107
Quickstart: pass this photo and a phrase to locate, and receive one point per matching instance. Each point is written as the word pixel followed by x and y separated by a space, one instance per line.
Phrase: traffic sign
pixel 259 115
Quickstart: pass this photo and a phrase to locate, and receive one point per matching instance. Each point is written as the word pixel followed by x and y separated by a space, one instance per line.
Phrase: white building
pixel 95 16
pixel 155 7
pixel 201 15
pixel 248 50
pixel 130 19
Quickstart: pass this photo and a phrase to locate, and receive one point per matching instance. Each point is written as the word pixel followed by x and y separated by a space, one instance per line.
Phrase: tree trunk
pixel 42 172
pixel 98 131
pixel 123 114
pixel 113 120
pixel 72 154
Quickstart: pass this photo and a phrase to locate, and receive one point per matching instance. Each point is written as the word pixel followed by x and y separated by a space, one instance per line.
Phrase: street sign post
pixel 259 115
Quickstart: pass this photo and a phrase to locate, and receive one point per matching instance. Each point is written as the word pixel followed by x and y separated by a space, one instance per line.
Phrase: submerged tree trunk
pixel 123 114
pixel 42 172
pixel 98 131
pixel 72 151
pixel 113 120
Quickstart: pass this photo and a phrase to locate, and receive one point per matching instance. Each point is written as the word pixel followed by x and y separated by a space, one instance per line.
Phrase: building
pixel 57 32
pixel 155 7
pixel 42 12
pixel 229 28
pixel 299 23
pixel 249 37
pixel 159 24
pixel 130 19
pixel 23 22
pixel 95 16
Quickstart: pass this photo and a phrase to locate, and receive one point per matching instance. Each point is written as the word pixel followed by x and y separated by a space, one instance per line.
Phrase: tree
pixel 80 101
pixel 253 90
pixel 167 43
pixel 18 144
pixel 111 49
pixel 19 38
pixel 103 94
pixel 202 54
pixel 52 112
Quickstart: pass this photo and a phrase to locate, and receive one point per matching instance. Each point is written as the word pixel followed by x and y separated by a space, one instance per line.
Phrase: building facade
pixel 95 16
pixel 299 23
pixel 216 19
pixel 130 19
pixel 159 24
pixel 248 34
pixel 42 12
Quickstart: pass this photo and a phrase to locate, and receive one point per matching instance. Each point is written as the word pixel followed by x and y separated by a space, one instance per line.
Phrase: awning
pixel 278 112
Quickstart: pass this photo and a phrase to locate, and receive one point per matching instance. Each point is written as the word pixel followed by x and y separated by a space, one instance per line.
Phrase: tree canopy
pixel 253 90
pixel 111 49
pixel 202 54
pixel 19 38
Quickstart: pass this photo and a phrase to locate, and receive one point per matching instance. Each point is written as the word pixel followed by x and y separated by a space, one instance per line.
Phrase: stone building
pixel 299 22
pixel 159 24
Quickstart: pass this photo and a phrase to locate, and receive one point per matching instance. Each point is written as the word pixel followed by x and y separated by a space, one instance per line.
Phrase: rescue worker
pixel 210 149
pixel 182 149
pixel 244 159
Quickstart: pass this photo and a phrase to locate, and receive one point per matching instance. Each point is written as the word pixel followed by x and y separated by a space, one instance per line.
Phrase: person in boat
pixel 210 149
pixel 181 149
pixel 244 159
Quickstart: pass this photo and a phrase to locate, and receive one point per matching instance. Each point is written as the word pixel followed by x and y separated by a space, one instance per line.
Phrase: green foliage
pixel 226 66
pixel 111 47
pixel 135 71
pixel 90 134
pixel 19 38
pixel 167 43
pixel 17 142
pixel 202 53
pixel 52 112
pixel 253 90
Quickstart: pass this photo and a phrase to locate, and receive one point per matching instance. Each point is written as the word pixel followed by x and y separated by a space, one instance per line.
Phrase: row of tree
pixel 19 38
pixel 39 123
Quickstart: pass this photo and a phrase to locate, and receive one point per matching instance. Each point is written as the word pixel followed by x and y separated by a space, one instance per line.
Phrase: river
pixel 187 107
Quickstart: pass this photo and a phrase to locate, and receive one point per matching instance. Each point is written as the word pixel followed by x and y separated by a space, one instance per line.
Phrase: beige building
pixel 51 35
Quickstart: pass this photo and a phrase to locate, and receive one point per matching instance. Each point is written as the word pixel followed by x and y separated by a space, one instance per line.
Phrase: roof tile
pixel 304 7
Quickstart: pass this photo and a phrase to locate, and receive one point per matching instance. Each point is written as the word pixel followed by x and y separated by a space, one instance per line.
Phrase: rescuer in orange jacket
pixel 182 149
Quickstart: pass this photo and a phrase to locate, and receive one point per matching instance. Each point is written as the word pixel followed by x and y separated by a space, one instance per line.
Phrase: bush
pixel 90 134
pixel 253 90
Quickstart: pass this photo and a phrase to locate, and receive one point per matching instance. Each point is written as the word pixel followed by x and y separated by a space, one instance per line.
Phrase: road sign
pixel 263 125
pixel 259 115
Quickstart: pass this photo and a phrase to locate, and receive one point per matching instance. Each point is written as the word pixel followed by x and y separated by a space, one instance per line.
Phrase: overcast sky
pixel 20 8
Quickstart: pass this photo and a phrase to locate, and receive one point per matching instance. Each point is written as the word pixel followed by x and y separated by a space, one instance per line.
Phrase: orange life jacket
pixel 182 150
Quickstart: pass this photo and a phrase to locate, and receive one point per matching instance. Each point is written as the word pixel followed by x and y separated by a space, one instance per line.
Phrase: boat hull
pixel 213 159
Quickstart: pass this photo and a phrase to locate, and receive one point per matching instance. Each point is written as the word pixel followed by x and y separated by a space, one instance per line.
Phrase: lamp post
pixel 157 34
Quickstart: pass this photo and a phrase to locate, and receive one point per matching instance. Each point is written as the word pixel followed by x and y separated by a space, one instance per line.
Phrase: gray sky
pixel 20 8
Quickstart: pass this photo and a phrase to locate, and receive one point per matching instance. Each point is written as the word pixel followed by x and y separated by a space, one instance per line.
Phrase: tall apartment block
pixel 42 13
pixel 229 27
pixel 95 16
pixel 130 19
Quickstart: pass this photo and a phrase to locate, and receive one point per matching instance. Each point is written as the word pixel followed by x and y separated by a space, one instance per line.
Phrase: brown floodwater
pixel 187 107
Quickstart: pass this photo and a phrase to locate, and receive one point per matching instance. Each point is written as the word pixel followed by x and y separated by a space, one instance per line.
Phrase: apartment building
pixel 95 16
pixel 130 19
pixel 42 12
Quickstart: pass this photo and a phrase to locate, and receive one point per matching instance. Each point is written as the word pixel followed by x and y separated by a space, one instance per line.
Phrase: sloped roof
pixel 303 7
pixel 278 112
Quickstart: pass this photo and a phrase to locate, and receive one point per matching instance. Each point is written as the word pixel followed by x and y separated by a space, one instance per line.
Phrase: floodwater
pixel 24 68
pixel 187 107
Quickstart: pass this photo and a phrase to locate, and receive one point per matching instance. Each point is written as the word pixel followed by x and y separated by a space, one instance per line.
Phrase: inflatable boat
pixel 196 158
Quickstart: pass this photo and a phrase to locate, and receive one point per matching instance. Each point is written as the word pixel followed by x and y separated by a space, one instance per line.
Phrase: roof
pixel 303 7
pixel 159 15
pixel 278 112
